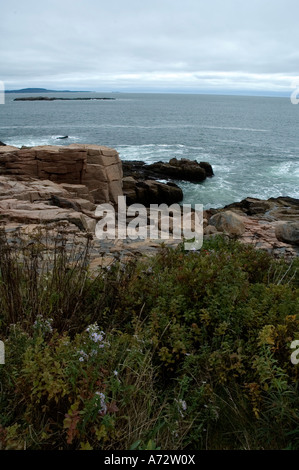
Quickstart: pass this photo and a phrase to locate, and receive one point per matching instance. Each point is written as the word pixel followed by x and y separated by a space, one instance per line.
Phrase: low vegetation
pixel 182 350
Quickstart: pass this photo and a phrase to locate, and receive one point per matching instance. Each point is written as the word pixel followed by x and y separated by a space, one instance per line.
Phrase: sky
pixel 184 46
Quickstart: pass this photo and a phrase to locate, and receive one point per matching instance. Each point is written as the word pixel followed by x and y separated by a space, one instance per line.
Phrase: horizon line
pixel 257 93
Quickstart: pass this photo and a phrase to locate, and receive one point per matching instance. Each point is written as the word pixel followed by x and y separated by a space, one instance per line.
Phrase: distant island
pixel 47 98
pixel 43 90
pixel 50 98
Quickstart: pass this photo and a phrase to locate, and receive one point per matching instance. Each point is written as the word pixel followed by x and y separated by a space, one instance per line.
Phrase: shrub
pixel 183 350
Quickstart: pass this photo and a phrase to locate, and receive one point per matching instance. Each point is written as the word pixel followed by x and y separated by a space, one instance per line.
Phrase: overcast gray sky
pixel 171 45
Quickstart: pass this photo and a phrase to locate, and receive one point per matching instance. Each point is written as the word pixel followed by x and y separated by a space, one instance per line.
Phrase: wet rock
pixel 150 192
pixel 184 169
pixel 251 206
pixel 207 167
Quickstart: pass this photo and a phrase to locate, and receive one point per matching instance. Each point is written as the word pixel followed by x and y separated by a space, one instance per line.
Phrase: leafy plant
pixel 181 350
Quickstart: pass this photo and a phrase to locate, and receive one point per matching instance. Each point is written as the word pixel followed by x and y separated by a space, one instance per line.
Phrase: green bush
pixel 183 350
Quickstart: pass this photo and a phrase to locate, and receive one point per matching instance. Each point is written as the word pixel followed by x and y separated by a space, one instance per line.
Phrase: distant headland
pixel 43 90
pixel 48 98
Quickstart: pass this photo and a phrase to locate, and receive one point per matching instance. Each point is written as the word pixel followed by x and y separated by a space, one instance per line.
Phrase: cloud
pixel 169 44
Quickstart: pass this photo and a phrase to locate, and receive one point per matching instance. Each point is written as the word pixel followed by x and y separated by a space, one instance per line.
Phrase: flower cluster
pixel 101 403
pixel 97 342
pixel 182 406
pixel 43 325
pixel 95 335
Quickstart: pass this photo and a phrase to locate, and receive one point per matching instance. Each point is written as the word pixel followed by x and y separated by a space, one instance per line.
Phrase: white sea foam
pixel 247 129
pixel 34 142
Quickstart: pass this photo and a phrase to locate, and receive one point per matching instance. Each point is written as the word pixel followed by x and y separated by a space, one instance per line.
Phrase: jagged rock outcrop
pixel 97 167
pixel 271 225
pixel 55 186
pixel 150 192
pixel 142 182
pixel 184 169
pixel 279 208
pixel 179 169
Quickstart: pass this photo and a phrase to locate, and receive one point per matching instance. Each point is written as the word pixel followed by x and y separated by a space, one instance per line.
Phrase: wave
pixel 248 129
pixel 37 141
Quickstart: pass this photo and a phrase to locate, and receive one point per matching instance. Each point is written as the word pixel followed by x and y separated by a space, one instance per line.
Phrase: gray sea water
pixel 251 142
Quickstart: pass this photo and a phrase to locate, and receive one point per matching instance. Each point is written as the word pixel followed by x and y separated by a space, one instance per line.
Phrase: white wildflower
pixel 83 355
pixel 42 324
pixel 96 337
pixel 94 333
pixel 103 405
pixel 182 406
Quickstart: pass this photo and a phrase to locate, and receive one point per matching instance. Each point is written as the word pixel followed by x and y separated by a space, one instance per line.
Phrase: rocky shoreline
pixel 156 183
pixel 54 190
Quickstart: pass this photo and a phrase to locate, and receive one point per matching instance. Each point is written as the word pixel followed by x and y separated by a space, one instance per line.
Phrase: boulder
pixel 288 232
pixel 183 169
pixel 228 222
pixel 207 167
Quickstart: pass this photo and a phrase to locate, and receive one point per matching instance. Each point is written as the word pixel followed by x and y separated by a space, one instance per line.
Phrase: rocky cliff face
pixel 97 167
pixel 56 189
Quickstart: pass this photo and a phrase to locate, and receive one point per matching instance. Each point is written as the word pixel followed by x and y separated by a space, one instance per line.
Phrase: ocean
pixel 252 143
